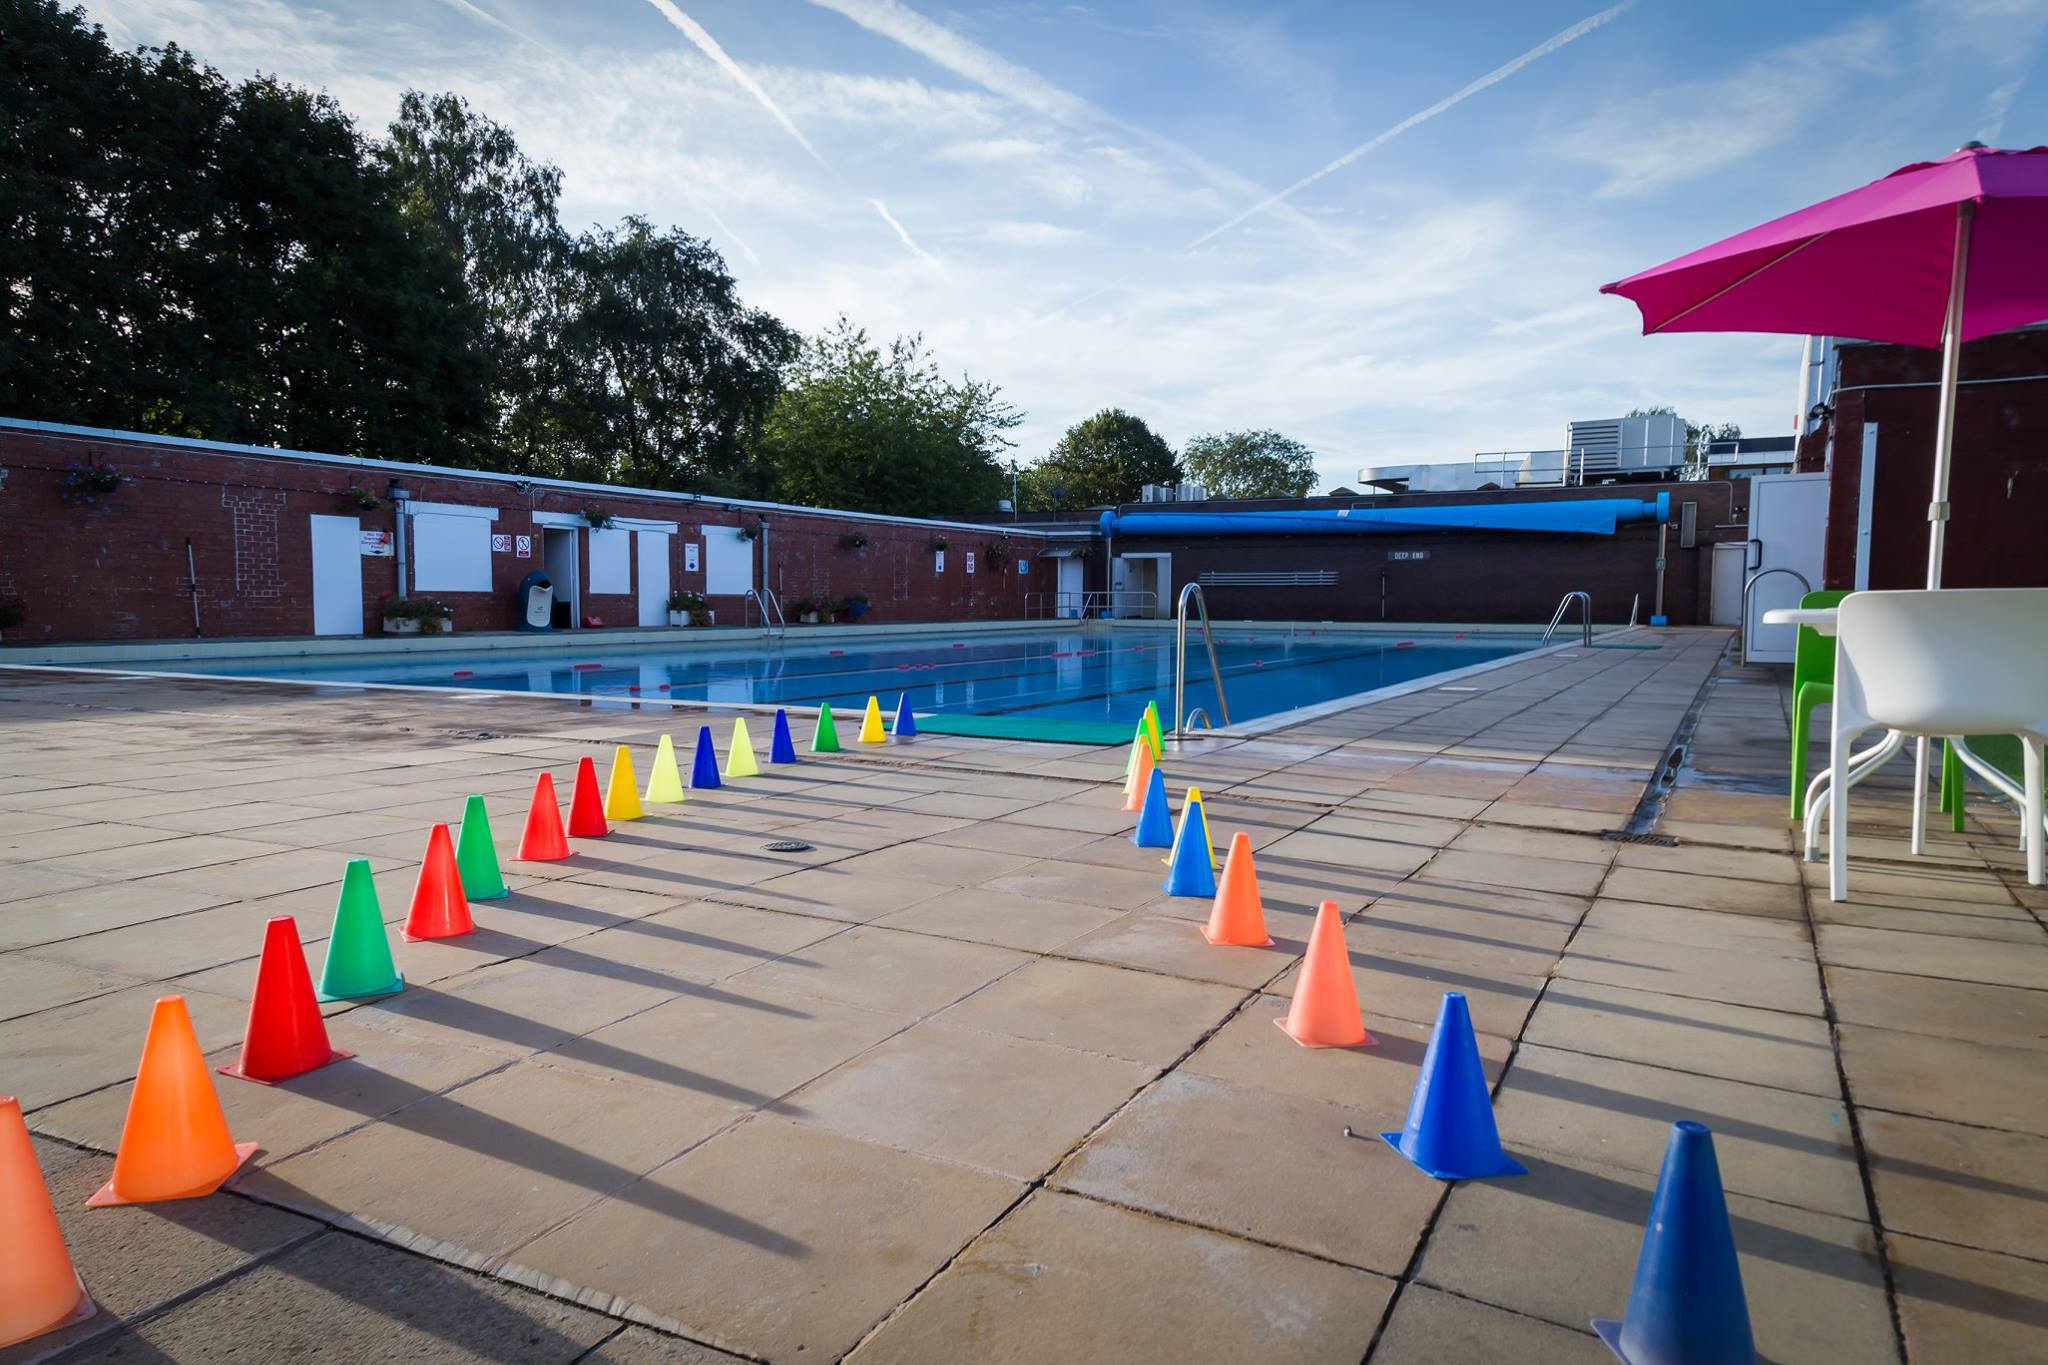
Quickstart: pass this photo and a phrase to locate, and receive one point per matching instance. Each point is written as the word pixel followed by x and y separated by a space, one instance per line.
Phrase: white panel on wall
pixel 450 553
pixel 611 561
pixel 728 561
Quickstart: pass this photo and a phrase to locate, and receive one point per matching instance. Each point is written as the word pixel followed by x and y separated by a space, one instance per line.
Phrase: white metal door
pixel 728 562
pixel 337 575
pixel 1788 523
pixel 1069 587
pixel 1724 607
pixel 558 551
pixel 651 548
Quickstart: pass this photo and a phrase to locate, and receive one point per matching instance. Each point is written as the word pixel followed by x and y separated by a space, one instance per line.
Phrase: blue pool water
pixel 1060 674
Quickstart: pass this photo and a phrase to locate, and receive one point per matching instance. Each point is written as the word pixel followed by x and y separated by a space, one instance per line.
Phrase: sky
pixel 1379 228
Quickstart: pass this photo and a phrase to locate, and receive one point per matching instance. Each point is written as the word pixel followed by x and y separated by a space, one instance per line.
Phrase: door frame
pixel 642 564
pixel 570 592
pixel 355 555
pixel 1162 581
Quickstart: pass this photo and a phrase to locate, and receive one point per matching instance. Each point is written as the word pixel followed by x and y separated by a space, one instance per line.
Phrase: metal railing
pixel 1742 621
pixel 771 610
pixel 1585 602
pixel 1091 606
pixel 1181 715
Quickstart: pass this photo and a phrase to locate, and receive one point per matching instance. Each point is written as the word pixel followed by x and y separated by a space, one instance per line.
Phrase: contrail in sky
pixel 1493 77
pixel 890 219
pixel 708 45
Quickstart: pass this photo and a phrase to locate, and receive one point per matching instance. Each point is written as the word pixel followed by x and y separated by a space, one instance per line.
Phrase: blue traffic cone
pixel 1155 818
pixel 905 726
pixel 1686 1307
pixel 1450 1132
pixel 781 749
pixel 1191 873
pixel 704 770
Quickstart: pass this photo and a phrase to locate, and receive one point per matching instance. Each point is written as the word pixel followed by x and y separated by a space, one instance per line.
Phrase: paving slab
pixel 1096 1008
pixel 1701 928
pixel 637 1345
pixel 1275 1168
pixel 1978 1187
pixel 1733 1042
pixel 29 984
pixel 2007 1015
pixel 887 969
pixel 1945 1078
pixel 1008 919
pixel 1956 1304
pixel 1561 1242
pixel 1960 959
pixel 1796 1149
pixel 1430 1327
pixel 73 1049
pixel 341 1297
pixel 1734 976
pixel 797 1241
pixel 1175 947
pixel 1064 1278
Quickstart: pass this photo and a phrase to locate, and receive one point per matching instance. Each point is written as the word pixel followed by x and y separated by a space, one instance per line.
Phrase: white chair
pixel 1971 661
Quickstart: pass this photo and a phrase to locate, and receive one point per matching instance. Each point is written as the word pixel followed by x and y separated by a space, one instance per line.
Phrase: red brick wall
pixel 1998 485
pixel 116 570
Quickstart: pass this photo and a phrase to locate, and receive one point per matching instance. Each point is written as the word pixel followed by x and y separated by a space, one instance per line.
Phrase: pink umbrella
pixel 1934 254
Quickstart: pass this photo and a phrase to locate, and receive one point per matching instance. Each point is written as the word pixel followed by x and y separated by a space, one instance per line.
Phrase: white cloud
pixel 1032 234
pixel 708 45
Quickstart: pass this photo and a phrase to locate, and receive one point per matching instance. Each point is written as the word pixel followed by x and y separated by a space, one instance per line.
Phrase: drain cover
pixel 1619 836
pixel 787 846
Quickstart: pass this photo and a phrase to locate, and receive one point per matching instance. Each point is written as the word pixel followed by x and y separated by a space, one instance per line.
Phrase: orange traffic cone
pixel 1141 775
pixel 439 908
pixel 175 1144
pixel 1239 917
pixel 1325 1010
pixel 39 1290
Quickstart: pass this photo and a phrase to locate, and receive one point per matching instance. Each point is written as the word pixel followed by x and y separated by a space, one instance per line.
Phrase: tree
pixel 1250 464
pixel 883 431
pixel 1102 459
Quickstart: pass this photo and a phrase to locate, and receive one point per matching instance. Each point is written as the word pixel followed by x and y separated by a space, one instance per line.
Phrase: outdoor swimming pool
pixel 1101 675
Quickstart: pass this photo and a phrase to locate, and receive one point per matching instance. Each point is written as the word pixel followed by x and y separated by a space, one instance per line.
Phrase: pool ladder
pixel 772 619
pixel 1184 719
pixel 1585 602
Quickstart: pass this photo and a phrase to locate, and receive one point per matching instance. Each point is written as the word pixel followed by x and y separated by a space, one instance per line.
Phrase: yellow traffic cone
pixel 622 796
pixel 739 757
pixel 665 782
pixel 871 724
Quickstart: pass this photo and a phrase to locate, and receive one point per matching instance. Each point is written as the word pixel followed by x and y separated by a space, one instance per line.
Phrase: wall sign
pixel 377 545
pixel 522 546
pixel 690 557
pixel 1407 554
pixel 939 561
pixel 501 545
pixel 970 561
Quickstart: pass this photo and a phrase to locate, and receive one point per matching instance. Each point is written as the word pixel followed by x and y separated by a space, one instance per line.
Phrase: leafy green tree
pixel 1250 464
pixel 877 430
pixel 664 377
pixel 1107 458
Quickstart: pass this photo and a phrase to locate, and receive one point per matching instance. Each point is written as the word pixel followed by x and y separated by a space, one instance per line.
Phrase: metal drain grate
pixel 787 846
pixel 1622 836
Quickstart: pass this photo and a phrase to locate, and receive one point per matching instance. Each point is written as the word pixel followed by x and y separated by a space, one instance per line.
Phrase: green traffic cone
pixel 825 739
pixel 1151 724
pixel 476 857
pixel 358 954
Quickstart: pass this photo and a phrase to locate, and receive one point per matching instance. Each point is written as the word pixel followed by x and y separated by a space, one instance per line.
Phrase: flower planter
pixel 809 618
pixel 401 625
pixel 679 618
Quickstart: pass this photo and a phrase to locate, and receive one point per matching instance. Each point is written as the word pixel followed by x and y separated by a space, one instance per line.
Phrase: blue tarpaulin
pixel 1568 516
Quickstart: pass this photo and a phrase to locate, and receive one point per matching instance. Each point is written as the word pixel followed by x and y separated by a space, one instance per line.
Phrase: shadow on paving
pixel 1561 994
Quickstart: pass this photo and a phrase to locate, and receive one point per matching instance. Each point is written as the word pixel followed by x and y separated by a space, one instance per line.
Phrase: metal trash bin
pixel 537 601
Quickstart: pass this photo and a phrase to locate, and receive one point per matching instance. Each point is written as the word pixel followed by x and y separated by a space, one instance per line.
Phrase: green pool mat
pixel 1043 729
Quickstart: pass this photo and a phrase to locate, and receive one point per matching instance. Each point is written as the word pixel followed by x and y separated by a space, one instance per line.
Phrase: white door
pixel 651 548
pixel 1724 601
pixel 337 575
pixel 728 562
pixel 1069 587
pixel 558 551
pixel 1788 523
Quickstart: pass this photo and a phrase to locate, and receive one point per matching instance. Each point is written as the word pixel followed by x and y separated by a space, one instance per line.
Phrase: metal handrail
pixel 1094 604
pixel 1189 723
pixel 1635 604
pixel 1193 591
pixel 1585 602
pixel 1742 621
pixel 765 598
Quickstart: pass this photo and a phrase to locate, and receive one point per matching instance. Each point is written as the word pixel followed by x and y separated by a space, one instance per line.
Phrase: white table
pixel 1821 619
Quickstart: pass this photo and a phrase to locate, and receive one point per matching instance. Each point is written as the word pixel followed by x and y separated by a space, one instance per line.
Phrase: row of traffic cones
pixel 1686 1306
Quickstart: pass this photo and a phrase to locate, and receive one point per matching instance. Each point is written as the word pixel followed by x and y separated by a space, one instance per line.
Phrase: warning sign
pixel 501 545
pixel 522 546
pixel 377 545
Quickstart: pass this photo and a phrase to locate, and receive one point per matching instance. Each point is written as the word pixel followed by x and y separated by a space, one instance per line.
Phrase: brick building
pixel 225 540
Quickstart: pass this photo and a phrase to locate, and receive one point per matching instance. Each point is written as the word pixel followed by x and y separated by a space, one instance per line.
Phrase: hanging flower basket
pixel 855 541
pixel 597 517
pixel 84 484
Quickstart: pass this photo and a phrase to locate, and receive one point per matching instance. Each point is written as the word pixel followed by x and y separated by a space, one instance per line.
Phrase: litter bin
pixel 536 601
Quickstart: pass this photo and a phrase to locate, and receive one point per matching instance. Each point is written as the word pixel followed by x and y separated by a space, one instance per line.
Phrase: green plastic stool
pixel 2003 752
pixel 1813 684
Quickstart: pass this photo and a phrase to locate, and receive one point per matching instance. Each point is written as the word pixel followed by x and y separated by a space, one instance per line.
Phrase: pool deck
pixel 960 1083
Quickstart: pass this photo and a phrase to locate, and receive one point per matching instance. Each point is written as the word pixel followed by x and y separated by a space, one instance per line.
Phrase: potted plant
pixel 597 516
pixel 995 556
pixel 85 484
pixel 828 610
pixel 362 499
pixel 413 615
pixel 940 543
pixel 11 614
pixel 805 609
pixel 853 541
pixel 685 606
pixel 856 606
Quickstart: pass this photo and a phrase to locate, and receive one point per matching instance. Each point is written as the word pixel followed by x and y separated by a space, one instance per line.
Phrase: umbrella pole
pixel 1944 444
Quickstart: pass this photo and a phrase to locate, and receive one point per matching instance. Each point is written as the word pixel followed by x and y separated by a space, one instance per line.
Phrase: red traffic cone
pixel 286 1035
pixel 439 909
pixel 586 804
pixel 543 841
